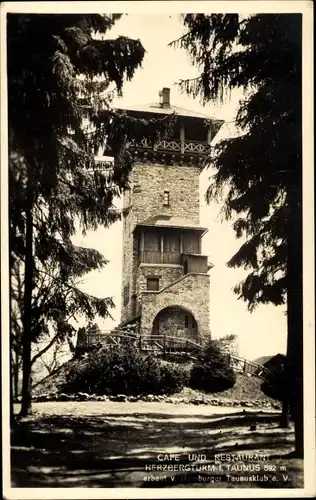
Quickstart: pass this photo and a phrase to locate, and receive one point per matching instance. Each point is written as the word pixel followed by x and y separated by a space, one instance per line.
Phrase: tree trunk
pixel 284 419
pixel 11 395
pixel 15 383
pixel 27 316
pixel 295 308
pixel 295 334
pixel 295 313
pixel 294 272
pixel 12 367
pixel 297 410
pixel 16 375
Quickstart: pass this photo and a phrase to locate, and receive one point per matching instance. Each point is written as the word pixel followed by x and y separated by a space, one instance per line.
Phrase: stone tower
pixel 165 281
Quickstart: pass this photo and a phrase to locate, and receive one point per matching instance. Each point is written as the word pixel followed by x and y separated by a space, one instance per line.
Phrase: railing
pixel 165 345
pixel 195 147
pixel 151 257
pixel 244 366
pixel 194 263
pixel 156 257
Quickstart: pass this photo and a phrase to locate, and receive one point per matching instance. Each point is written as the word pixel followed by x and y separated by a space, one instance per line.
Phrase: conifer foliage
pixel 62 75
pixel 212 372
pixel 257 173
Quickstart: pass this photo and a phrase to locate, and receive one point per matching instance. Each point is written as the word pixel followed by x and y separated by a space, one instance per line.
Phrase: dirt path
pixel 88 408
pixel 151 445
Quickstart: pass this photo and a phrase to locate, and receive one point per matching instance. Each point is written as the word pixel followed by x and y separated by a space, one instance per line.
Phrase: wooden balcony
pixel 154 257
pixel 172 145
pixel 192 263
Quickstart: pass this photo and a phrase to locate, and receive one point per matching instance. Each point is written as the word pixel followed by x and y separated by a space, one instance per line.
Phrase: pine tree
pixel 258 174
pixel 61 81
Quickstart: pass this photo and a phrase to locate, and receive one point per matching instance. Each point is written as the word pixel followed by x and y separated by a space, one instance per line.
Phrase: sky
pixel 262 332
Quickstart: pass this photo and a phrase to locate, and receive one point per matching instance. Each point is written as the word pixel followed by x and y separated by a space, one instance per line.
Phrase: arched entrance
pixel 175 321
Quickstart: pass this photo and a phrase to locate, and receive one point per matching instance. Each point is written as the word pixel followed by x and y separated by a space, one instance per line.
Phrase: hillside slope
pixel 245 389
pixel 54 381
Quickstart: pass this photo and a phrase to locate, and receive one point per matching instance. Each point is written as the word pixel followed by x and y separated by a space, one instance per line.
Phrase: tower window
pixel 194 325
pixel 166 198
pixel 126 295
pixel 153 284
pixel 186 321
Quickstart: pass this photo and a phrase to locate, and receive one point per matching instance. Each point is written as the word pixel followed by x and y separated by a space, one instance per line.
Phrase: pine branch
pixel 178 42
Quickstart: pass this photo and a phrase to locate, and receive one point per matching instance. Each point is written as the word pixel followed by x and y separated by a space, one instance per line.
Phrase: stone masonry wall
pixel 150 182
pixel 166 275
pixel 145 199
pixel 130 251
pixel 172 322
pixel 190 292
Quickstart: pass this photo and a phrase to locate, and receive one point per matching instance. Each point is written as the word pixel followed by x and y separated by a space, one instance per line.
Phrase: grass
pixel 111 445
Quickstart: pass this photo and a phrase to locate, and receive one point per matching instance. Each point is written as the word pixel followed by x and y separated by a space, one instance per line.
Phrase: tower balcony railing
pixel 174 145
pixel 156 257
pixel 190 262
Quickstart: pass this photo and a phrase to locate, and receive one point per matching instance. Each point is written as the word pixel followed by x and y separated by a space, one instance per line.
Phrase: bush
pixel 174 378
pixel 212 372
pixel 123 370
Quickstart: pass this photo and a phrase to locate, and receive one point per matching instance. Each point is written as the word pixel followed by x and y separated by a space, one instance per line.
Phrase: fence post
pixel 164 346
pixel 186 348
pixel 140 342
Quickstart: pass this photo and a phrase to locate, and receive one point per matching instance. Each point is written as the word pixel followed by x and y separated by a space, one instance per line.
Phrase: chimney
pixel 165 93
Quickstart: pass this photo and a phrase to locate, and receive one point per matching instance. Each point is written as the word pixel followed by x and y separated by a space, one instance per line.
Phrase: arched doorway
pixel 175 321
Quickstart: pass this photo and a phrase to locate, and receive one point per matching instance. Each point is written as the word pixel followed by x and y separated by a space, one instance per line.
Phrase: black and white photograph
pixel 157 249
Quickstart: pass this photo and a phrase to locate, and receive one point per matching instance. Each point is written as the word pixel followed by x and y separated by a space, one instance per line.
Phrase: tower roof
pixel 156 107
pixel 164 107
pixel 170 221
